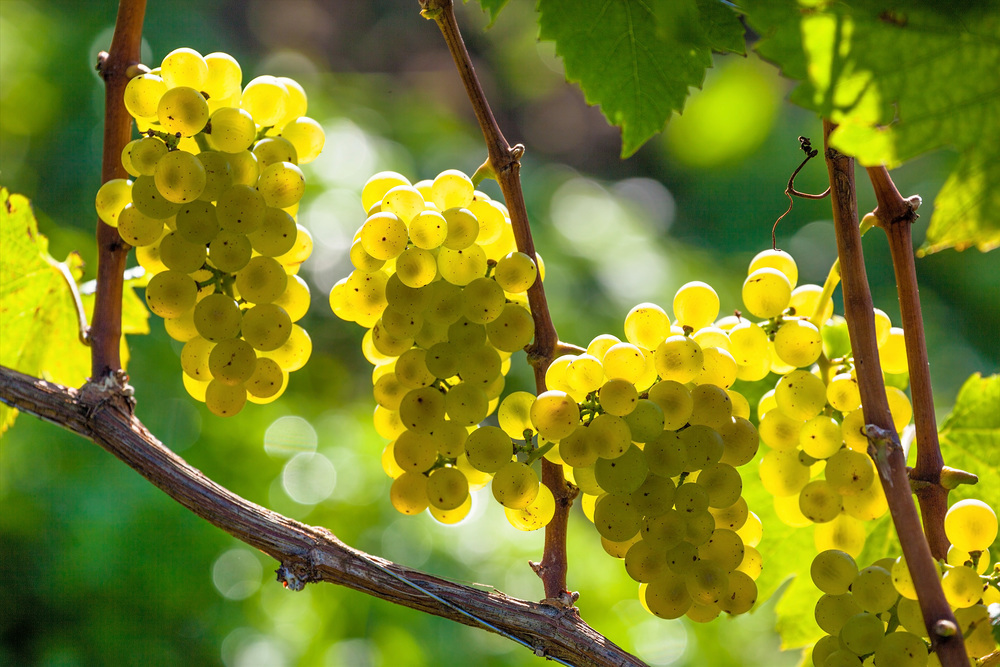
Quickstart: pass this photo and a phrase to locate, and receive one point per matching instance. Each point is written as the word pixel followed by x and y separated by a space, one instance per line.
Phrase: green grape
pixel 798 343
pixel 376 187
pixel 515 272
pixel 405 201
pixel 447 488
pixel 707 582
pixel 411 369
pixel 820 437
pixel 171 293
pixel 364 262
pixel 197 222
pixel 184 67
pixel 388 391
pixel 145 153
pixel 664 531
pixel 868 505
pixel 850 472
pixel 480 365
pixel 666 455
pixel 675 400
pixel 712 336
pixel 513 330
pixel 752 564
pixel 666 597
pixel 450 438
pixel 417 267
pixel 752 531
pixel 766 293
pixel 696 305
pixel 515 485
pixel 181 328
pixel 138 229
pixel 723 483
pixel 442 360
pixel 408 493
pixel 902 581
pixel 740 442
pixel 415 451
pixel 873 590
pixel 892 354
pixel 645 422
pixel 554 414
pixel 971 525
pixel 225 400
pixel 956 556
pixel 444 302
pixel 241 210
pixel 182 110
pixel 461 267
pixel 217 317
pixel 397 326
pixel 230 252
pixel 647 325
pixel 741 596
pixel 800 395
pixel 843 394
pixel 282 184
pixel 624 474
pixel 180 177
pixel 266 326
pixel 832 611
pixel 142 95
pixel 194 358
pixel 232 361
pixel 428 230
pixel 782 474
pixel 178 254
pixel 910 616
pixel 615 517
pixel 484 299
pixel 262 280
pixel 690 498
pixel 723 548
pixel 780 431
pixel 833 571
pixel 493 222
pixel 962 586
pixel 899 407
pixel 218 175
pixel 703 446
pixel 451 188
pixel 678 358
pixel 711 406
pixel 265 98
pixel 600 345
pixel 852 429
pixel 819 501
pixel 732 517
pixel 267 382
pixel 645 563
pixel 747 343
pixel 901 649
pixel 536 515
pixel 466 404
pixel 224 77
pixel 624 361
pixel 718 368
pixel 579 449
pixel 587 481
pixel 654 496
pixel 244 167
pixel 233 130
pixel 463 228
pixel 862 633
pixel 776 259
pixel 611 435
pixel 296 351
pixel 514 414
pixel 976 625
pixel 307 136
pixel 296 104
pixel 585 373
pixel 805 301
pixel 618 397
pixel 276 236
pixel 111 199
pixel 422 408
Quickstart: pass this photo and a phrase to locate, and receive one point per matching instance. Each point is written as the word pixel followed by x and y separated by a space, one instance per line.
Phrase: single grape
pixel 182 110
pixel 262 280
pixel 971 525
pixel 232 361
pixel 447 488
pixel 171 293
pixel 515 485
pixel 696 305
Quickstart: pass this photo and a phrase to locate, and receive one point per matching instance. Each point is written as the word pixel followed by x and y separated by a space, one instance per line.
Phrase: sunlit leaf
pixel 970 438
pixel 492 7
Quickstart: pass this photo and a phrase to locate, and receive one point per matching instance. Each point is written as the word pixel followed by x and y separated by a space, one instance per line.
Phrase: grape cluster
pixel 211 211
pixel 652 434
pixel 816 466
pixel 871 616
pixel 441 289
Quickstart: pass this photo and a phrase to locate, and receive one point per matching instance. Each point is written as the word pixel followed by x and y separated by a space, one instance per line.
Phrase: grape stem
pixel 895 215
pixel 116 67
pixel 884 445
pixel 505 163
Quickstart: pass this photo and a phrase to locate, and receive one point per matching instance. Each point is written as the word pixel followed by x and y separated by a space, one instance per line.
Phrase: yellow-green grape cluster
pixel 816 466
pixel 211 208
pixel 871 616
pixel 441 288
pixel 651 432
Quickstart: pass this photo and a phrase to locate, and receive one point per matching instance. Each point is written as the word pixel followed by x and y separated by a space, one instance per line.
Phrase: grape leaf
pixel 970 437
pixel 638 59
pixel 901 83
pixel 41 335
pixel 492 7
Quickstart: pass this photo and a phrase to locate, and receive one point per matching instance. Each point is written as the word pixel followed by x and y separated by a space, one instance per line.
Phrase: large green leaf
pixel 970 437
pixel 41 334
pixel 638 59
pixel 901 83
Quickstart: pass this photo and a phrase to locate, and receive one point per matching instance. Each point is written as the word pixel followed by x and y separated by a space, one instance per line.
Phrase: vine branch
pixel 884 445
pixel 505 163
pixel 116 68
pixel 895 216
pixel 806 145
pixel 306 553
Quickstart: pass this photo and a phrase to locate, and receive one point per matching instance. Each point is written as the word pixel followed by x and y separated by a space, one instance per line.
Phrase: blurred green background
pixel 103 569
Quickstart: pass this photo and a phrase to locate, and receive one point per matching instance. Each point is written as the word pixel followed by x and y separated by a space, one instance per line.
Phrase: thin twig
pixel 895 216
pixel 116 67
pixel 505 163
pixel 74 290
pixel 884 445
pixel 790 191
pixel 306 553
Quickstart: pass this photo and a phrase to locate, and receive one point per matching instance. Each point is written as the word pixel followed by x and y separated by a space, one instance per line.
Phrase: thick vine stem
pixel 505 162
pixel 895 216
pixel 306 553
pixel 884 444
pixel 116 67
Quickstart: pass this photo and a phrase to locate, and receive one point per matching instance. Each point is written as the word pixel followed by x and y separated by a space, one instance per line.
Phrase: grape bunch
pixel 441 289
pixel 211 211
pixel 816 465
pixel 871 616
pixel 650 431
